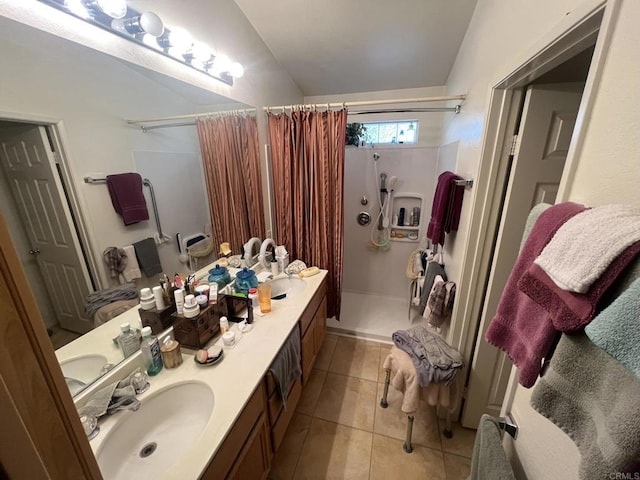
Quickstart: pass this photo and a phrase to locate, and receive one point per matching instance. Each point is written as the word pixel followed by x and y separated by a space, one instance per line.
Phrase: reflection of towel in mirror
pixel 489 460
pixel 97 300
pixel 108 312
pixel 286 366
pixel 116 259
pixel 148 259
pixel 132 269
pixel 127 198
pixel 592 398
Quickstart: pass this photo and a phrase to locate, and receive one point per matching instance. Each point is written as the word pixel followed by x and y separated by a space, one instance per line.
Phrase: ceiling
pixel 338 46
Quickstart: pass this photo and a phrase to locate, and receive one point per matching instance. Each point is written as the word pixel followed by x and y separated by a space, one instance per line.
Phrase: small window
pixel 381 133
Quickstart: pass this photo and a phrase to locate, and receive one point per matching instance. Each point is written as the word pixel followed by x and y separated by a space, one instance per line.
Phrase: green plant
pixel 355 133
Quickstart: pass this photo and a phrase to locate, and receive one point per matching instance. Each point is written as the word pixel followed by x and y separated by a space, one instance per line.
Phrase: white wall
pixel 499 36
pixel 375 272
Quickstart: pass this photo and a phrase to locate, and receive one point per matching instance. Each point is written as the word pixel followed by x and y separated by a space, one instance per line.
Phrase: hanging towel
pixel 127 198
pixel 286 367
pixel 489 460
pixel 132 269
pixel 433 269
pixel 147 255
pixel 616 329
pixel 570 311
pixel 116 259
pixel 521 327
pixel 584 246
pixel 445 210
pixel 593 399
pixel 440 304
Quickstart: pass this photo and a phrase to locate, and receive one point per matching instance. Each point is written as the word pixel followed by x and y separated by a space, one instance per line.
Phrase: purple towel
pixel 127 198
pixel 445 211
pixel 571 311
pixel 521 327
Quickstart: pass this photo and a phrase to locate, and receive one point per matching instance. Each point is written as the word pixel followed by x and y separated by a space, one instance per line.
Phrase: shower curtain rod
pixel 140 123
pixel 370 102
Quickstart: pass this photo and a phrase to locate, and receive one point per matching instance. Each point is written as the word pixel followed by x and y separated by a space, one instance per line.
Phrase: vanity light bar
pixel 147 29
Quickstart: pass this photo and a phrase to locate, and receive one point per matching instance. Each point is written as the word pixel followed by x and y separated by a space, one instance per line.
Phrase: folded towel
pixel 116 259
pixel 147 255
pixel 433 358
pixel 570 311
pixel 445 211
pixel 132 269
pixel 404 378
pixel 97 300
pixel 594 400
pixel 584 246
pixel 616 329
pixel 112 310
pixel 489 460
pixel 127 198
pixel 521 327
pixel 286 366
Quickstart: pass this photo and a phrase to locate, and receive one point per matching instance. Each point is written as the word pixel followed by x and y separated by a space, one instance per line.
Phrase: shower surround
pixel 375 293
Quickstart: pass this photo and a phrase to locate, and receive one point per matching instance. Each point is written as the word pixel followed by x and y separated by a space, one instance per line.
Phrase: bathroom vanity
pixel 247 422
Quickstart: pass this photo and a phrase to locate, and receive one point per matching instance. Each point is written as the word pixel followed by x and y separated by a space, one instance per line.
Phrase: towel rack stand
pixel 464 182
pixel 147 183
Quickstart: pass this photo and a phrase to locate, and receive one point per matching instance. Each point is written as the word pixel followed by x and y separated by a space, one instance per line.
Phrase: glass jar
pixel 219 275
pixel 245 280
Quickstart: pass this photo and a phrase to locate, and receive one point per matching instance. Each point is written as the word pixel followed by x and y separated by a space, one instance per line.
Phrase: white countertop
pixel 233 380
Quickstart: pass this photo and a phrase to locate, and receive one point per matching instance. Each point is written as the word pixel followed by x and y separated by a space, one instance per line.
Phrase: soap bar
pixel 309 272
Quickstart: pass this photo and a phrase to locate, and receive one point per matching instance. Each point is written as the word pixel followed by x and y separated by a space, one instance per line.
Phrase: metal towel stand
pixel 146 183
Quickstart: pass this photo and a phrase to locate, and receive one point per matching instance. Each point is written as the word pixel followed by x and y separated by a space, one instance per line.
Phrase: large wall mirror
pixel 64 109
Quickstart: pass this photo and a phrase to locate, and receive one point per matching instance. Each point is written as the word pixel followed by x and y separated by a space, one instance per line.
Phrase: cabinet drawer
pixel 307 348
pixel 320 325
pixel 280 427
pixel 274 403
pixel 254 461
pixel 237 437
pixel 307 317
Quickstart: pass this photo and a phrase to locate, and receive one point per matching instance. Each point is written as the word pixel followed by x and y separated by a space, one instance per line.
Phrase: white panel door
pixel 29 165
pixel 546 126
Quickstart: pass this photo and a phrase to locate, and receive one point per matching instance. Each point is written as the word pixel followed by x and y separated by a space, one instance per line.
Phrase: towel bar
pixel 464 183
pixel 147 183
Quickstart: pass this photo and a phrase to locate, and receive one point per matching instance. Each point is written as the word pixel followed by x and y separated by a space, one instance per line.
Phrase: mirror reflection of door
pixel 42 227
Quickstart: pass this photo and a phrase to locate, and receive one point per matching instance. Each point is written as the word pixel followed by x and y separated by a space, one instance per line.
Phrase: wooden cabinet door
pixel 320 325
pixel 308 352
pixel 254 461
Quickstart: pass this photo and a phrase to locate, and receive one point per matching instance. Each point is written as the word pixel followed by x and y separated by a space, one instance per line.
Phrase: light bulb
pixel 113 8
pixel 147 23
pixel 236 70
pixel 201 55
pixel 77 8
pixel 221 64
pixel 180 39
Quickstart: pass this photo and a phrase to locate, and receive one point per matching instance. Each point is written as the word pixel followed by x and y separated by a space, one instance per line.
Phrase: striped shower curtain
pixel 307 157
pixel 229 147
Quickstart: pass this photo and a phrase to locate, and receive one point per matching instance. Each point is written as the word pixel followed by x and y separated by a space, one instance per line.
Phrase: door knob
pixel 34 251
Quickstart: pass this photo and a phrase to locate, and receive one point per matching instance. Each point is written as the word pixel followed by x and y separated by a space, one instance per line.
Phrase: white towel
pixel 132 269
pixel 582 248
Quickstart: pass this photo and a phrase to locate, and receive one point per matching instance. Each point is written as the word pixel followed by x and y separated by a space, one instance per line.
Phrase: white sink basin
pixel 291 286
pixel 146 443
pixel 85 369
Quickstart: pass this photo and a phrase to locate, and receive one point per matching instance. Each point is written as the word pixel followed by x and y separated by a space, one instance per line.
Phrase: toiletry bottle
pixel 150 349
pixel 401 217
pixel 274 267
pixel 127 340
pixel 224 325
pixel 213 293
pixel 253 296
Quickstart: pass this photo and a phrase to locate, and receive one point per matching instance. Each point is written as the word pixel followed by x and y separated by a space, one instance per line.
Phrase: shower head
pixel 376 156
pixel 393 180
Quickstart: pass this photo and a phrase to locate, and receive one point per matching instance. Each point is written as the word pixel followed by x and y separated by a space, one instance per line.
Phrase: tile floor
pixel 340 431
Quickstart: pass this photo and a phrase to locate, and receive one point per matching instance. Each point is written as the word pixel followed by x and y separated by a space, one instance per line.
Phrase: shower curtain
pixel 307 158
pixel 229 146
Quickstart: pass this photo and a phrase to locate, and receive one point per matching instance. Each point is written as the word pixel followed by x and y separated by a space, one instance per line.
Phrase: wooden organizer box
pixel 196 332
pixel 158 320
